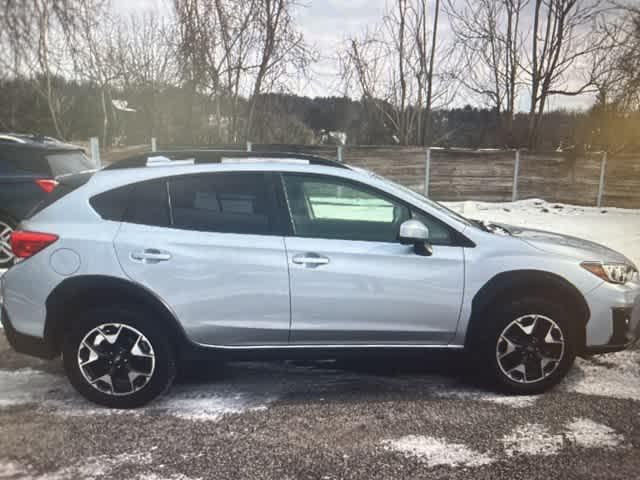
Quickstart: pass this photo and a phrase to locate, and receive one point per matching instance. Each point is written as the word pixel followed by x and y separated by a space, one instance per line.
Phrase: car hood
pixel 566 245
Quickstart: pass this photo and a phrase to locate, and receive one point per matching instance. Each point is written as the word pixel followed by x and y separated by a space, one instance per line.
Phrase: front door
pixel 207 246
pixel 352 282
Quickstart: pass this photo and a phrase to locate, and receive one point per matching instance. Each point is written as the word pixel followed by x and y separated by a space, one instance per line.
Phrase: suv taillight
pixel 48 185
pixel 26 244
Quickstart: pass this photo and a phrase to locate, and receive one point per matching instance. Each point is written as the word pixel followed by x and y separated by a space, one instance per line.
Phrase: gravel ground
pixel 325 420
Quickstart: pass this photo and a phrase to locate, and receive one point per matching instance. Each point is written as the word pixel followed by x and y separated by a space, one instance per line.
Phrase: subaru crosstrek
pixel 160 258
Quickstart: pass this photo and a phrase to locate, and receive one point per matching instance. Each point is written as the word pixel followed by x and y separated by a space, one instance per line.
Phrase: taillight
pixel 26 244
pixel 47 184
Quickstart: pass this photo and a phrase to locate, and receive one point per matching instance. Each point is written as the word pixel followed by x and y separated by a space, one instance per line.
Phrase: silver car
pixel 157 259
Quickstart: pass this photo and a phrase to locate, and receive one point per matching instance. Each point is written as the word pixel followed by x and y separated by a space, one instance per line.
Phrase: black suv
pixel 29 165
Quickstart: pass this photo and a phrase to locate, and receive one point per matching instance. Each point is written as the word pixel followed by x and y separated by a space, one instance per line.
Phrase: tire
pixel 118 357
pixel 515 362
pixel 7 226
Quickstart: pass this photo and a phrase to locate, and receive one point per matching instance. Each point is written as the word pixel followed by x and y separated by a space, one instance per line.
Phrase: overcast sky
pixel 325 24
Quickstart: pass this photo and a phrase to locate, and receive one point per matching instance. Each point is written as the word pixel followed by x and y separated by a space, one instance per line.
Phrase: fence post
pixel 340 153
pixel 94 145
pixel 516 173
pixel 603 168
pixel 154 146
pixel 427 172
pixel 249 147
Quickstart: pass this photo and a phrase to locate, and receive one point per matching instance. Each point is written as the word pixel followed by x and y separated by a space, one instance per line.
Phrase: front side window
pixel 325 207
pixel 221 202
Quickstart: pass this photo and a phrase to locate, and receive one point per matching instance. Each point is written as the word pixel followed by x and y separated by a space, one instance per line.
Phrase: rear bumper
pixel 21 343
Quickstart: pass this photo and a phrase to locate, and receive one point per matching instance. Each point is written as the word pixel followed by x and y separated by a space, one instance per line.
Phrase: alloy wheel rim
pixel 530 348
pixel 116 359
pixel 6 254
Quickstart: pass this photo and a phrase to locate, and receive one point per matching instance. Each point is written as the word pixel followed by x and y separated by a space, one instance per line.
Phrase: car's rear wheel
pixel 7 226
pixel 528 345
pixel 115 357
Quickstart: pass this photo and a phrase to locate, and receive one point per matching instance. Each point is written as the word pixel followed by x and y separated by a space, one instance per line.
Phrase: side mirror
pixel 416 233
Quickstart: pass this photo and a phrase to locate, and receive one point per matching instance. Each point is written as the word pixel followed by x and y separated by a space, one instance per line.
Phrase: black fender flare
pixel 85 291
pixel 515 283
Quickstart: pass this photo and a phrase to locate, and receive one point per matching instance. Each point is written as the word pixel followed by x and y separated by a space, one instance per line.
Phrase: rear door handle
pixel 150 255
pixel 310 259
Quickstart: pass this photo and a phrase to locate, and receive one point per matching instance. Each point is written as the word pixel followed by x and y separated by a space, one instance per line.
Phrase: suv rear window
pixel 64 163
pixel 23 161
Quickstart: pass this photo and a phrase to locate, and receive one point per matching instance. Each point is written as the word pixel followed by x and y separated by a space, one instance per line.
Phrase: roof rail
pixel 11 138
pixel 204 156
pixel 161 161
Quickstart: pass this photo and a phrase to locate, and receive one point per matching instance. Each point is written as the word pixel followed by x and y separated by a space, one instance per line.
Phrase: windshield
pixel 64 163
pixel 422 198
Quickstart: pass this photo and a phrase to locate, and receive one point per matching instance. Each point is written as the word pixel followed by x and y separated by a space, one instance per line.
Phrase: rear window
pixel 64 163
pixel 23 161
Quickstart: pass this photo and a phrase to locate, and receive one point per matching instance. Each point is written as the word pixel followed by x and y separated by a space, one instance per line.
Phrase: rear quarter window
pixel 111 205
pixel 144 203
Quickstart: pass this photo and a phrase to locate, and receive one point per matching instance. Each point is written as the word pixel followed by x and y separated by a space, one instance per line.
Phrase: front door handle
pixel 150 255
pixel 310 259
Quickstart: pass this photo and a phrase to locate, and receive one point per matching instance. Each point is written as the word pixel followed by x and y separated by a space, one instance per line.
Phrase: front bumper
pixel 615 319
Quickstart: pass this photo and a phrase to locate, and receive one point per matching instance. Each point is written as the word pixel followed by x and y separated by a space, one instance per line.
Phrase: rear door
pixel 209 246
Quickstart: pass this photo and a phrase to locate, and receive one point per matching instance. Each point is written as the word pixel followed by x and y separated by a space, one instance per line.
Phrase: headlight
pixel 619 273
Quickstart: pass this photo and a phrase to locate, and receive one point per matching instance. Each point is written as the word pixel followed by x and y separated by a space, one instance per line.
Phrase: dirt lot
pixel 417 418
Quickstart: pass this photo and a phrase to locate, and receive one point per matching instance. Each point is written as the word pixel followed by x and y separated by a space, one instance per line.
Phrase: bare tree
pixel 489 35
pixel 563 35
pixel 232 49
pixel 238 37
pixel 37 34
pixel 96 57
pixel 393 68
pixel 280 47
pixel 148 58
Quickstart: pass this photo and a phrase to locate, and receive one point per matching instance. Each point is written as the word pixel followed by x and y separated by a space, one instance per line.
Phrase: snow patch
pixel 617 228
pixel 91 468
pixel 177 476
pixel 436 452
pixel 532 439
pixel 616 375
pixel 208 402
pixel 589 434
pixel 535 439
pixel 12 470
pixel 209 405
pixel 514 401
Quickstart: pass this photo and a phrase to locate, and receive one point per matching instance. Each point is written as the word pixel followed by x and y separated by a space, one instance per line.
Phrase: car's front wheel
pixel 528 345
pixel 115 357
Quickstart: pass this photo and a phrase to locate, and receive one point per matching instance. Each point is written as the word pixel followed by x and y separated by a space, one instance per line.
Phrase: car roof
pixel 205 156
pixel 23 141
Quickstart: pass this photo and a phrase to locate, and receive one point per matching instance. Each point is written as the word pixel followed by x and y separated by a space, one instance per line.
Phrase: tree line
pixel 222 71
